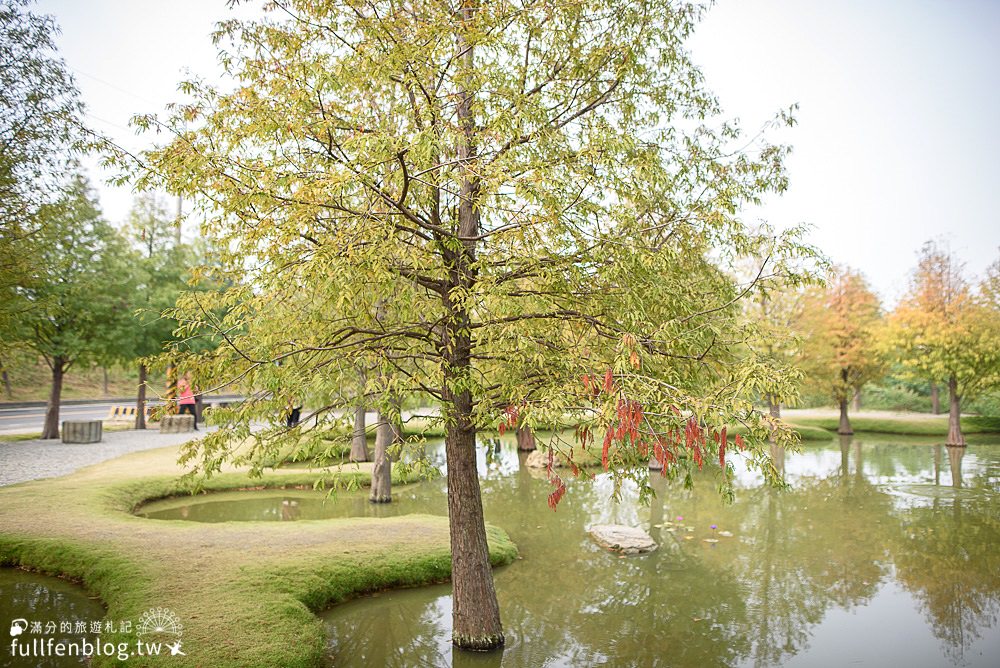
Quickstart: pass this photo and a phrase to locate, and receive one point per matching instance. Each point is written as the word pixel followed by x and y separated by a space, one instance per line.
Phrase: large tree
pixel 838 324
pixel 518 210
pixel 39 114
pixel 942 329
pixel 77 295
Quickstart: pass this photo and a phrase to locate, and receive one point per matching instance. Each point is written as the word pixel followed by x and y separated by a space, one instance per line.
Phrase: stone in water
pixel 624 539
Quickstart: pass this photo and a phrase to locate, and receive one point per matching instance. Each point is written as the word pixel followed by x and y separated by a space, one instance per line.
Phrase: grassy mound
pixel 244 591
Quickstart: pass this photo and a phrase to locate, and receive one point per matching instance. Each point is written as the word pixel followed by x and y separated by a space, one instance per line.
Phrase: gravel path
pixel 29 460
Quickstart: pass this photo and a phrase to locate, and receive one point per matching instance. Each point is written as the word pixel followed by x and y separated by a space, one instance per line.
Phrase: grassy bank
pixel 244 591
pixel 917 424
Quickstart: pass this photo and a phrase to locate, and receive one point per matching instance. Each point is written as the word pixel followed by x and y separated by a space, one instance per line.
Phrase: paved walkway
pixel 29 460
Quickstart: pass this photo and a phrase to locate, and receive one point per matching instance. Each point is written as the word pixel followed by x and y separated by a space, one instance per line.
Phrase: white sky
pixel 897 140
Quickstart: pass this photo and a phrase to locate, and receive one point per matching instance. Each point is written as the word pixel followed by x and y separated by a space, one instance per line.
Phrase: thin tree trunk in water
pixel 140 400
pixel 382 469
pixel 778 458
pixel 955 436
pixel 937 464
pixel 525 439
pixel 475 612
pixel 51 428
pixel 857 400
pixel 845 424
pixel 359 438
pixel 104 389
pixel 935 399
pixel 774 410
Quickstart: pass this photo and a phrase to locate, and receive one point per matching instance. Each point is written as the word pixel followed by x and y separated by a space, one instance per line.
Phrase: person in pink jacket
pixel 185 398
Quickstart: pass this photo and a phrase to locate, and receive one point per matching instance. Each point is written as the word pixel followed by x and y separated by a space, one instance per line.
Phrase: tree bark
pixel 955 436
pixel 51 427
pixel 774 410
pixel 844 428
pixel 857 400
pixel 778 459
pixel 171 396
pixel 475 611
pixel 359 438
pixel 525 439
pixel 6 385
pixel 935 399
pixel 140 399
pixel 382 469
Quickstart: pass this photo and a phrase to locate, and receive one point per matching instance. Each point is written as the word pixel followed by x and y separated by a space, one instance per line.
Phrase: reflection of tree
pixel 809 548
pixel 947 557
pixel 401 629
pixel 750 598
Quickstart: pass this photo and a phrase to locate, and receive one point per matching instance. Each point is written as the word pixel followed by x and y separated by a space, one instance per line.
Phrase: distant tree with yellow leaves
pixel 838 325
pixel 942 329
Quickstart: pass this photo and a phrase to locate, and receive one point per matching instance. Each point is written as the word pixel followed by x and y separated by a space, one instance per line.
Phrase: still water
pixel 29 598
pixel 884 551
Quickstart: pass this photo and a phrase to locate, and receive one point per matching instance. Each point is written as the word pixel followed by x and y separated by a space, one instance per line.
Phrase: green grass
pixel 917 426
pixel 246 592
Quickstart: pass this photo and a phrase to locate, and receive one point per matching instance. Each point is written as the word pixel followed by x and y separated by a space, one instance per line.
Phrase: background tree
pixel 39 119
pixel 501 204
pixel 839 323
pixel 78 294
pixel 161 269
pixel 941 329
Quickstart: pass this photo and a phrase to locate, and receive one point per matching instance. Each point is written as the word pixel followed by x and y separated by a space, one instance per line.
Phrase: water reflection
pixel 44 600
pixel 879 552
pixel 856 540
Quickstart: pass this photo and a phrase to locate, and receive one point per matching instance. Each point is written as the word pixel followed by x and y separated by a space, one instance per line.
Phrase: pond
pixel 27 599
pixel 884 550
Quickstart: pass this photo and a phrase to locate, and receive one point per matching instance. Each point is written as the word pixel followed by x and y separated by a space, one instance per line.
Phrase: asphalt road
pixel 28 420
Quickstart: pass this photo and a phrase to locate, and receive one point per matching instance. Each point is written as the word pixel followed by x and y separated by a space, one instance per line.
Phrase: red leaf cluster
pixel 560 491
pixel 509 419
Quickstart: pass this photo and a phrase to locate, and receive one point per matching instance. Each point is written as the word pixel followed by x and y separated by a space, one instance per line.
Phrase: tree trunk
pixel 140 399
pixel 773 407
pixel 359 439
pixel 778 459
pixel 104 388
pixel 857 400
pixel 51 428
pixel 171 395
pixel 382 469
pixel 475 611
pixel 525 439
pixel 845 424
pixel 6 385
pixel 774 410
pixel 955 436
pixel 935 399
